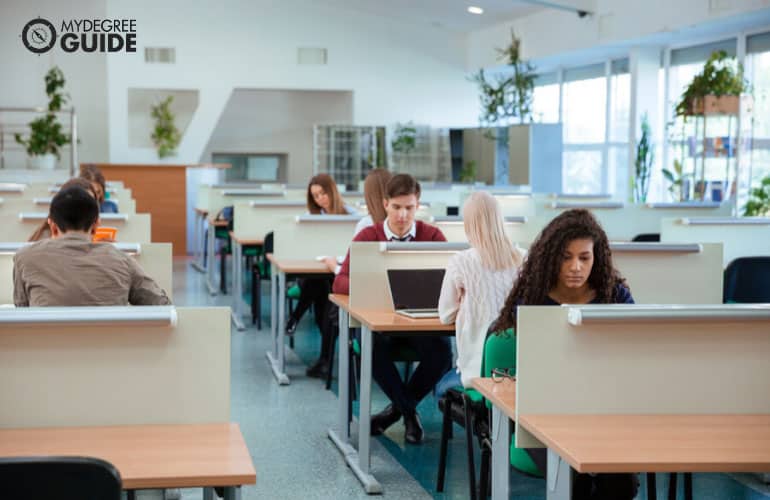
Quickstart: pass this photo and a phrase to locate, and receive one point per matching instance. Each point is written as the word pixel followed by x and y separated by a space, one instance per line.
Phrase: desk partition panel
pixel 741 236
pixel 311 236
pixel 134 228
pixel 673 359
pixel 114 366
pixel 253 219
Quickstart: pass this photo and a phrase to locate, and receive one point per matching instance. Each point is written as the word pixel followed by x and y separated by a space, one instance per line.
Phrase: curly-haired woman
pixel 570 262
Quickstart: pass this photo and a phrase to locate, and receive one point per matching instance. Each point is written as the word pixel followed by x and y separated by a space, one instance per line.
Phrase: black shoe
pixel 291 326
pixel 414 432
pixel 381 421
pixel 320 369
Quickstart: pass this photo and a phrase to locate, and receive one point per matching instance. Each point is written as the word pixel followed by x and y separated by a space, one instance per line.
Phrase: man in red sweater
pixel 435 353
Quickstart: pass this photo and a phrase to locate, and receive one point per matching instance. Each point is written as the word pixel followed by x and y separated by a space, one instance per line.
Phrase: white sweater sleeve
pixel 451 293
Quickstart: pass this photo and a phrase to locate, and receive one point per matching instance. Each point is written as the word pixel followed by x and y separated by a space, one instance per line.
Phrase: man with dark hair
pixel 70 270
pixel 435 353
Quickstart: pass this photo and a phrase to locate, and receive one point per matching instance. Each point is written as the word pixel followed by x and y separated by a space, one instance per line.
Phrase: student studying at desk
pixel 570 262
pixel 435 353
pixel 70 270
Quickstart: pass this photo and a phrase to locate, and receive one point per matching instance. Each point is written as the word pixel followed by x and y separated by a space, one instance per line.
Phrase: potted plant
pixel 507 97
pixel 404 141
pixel 468 172
pixel 759 200
pixel 645 154
pixel 716 89
pixel 678 180
pixel 165 136
pixel 46 137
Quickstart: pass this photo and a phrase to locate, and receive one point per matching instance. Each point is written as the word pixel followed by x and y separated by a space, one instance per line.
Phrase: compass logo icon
pixel 39 35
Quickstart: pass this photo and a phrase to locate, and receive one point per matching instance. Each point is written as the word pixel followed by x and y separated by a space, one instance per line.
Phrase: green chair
pixel 467 408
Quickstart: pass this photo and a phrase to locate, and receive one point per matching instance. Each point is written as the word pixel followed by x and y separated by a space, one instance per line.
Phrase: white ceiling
pixel 447 14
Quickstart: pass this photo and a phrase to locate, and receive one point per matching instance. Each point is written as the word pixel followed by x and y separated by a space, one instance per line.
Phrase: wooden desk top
pixel 147 456
pixel 299 266
pixel 389 321
pixel 502 394
pixel 656 443
pixel 246 243
pixel 339 300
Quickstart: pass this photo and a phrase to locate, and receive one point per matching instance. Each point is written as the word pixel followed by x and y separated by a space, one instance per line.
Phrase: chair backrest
pixel 650 237
pixel 499 352
pixel 747 280
pixel 59 478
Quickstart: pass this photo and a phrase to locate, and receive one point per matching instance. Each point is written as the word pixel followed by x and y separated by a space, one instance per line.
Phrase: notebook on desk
pixel 415 292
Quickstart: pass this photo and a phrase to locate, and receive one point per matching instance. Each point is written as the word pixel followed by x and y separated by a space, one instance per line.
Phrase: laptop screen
pixel 415 288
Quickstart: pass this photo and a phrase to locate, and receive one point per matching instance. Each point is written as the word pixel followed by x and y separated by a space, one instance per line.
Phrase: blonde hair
pixel 337 205
pixel 484 227
pixel 375 192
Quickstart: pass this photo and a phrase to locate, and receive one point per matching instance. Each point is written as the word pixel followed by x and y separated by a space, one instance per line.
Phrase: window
pixel 758 74
pixel 545 99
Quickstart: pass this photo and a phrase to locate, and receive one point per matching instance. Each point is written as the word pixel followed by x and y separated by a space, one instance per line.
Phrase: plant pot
pixel 42 162
pixel 716 105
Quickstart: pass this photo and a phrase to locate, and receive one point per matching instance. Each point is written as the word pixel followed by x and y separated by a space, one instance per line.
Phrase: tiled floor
pixel 285 429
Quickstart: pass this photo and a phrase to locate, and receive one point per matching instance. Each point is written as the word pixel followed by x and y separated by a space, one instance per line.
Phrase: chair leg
pixel 469 445
pixel 486 457
pixel 407 371
pixel 652 493
pixel 687 486
pixel 672 486
pixel 446 425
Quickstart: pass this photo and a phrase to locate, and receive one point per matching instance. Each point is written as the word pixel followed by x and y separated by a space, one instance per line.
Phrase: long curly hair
pixel 540 272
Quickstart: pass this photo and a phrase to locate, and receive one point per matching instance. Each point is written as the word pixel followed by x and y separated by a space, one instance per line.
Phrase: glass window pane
pixel 545 104
pixel 584 119
pixel 582 172
pixel 759 72
pixel 620 112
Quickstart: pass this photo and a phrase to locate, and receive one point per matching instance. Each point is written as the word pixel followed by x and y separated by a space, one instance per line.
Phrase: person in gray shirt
pixel 71 270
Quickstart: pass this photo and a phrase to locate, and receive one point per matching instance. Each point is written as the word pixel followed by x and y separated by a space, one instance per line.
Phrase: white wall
pixel 279 122
pixel 22 73
pixel 614 22
pixel 396 72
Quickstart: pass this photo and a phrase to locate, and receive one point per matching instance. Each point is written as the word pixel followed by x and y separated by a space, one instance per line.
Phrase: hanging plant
pixel 507 97
pixel 165 136
pixel 721 76
pixel 645 155
pixel 46 136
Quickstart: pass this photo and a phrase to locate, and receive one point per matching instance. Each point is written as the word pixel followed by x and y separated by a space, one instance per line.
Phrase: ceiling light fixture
pixel 475 10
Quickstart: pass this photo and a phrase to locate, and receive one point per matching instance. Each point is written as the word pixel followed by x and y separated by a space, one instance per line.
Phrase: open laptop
pixel 415 292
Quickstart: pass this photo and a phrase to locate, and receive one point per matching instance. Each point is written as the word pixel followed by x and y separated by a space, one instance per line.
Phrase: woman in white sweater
pixel 476 283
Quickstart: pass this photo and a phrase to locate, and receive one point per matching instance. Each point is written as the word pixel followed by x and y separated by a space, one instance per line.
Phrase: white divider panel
pixel 626 222
pixel 683 366
pixel 135 229
pixel 120 374
pixel 13 206
pixel 253 219
pixel 739 238
pixel 660 273
pixel 220 198
pixel 155 259
pixel 454 230
pixel 516 204
pixel 368 265
pixel 326 235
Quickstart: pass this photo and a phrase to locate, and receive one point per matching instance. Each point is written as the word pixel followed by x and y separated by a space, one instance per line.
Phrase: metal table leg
pixel 210 260
pixel 277 357
pixel 501 461
pixel 236 310
pixel 341 435
pixel 559 479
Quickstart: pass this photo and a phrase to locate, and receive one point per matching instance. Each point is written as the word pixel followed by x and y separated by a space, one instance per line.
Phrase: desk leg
pixel 211 260
pixel 501 461
pixel 341 435
pixel 236 311
pixel 559 481
pixel 197 244
pixel 276 358
pixel 233 493
pixel 361 463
